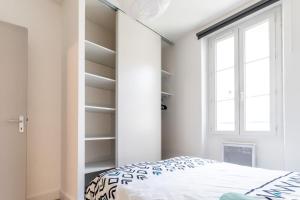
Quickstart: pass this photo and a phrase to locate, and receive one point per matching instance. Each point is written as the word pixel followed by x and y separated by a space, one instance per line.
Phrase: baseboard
pixel 65 196
pixel 49 195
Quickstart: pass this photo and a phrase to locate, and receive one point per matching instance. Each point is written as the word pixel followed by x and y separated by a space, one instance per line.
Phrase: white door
pixel 13 89
pixel 138 92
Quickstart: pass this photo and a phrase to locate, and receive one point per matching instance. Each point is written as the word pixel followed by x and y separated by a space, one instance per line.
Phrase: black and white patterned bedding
pixel 191 178
pixel 286 186
pixel 104 186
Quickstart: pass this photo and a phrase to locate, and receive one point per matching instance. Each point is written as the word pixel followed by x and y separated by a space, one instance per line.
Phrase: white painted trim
pixel 287 48
pixel 204 95
pixel 80 107
pixel 48 195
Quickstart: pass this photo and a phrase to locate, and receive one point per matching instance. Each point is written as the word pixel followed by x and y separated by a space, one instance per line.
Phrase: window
pixel 245 76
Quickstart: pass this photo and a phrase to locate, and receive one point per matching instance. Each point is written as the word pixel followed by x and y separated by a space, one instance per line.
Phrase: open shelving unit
pixel 168 75
pixel 165 77
pixel 100 84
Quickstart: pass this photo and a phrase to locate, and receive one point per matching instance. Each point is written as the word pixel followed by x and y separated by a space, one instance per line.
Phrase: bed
pixel 191 178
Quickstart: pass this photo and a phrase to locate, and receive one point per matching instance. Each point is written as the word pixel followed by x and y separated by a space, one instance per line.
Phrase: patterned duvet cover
pixel 191 178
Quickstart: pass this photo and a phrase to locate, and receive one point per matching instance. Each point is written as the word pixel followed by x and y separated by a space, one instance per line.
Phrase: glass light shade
pixel 145 9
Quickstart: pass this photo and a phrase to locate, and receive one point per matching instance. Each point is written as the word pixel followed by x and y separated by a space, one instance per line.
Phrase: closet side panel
pixel 72 167
pixel 138 92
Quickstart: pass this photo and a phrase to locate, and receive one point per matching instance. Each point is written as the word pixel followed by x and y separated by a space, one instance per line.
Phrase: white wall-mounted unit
pixel 239 153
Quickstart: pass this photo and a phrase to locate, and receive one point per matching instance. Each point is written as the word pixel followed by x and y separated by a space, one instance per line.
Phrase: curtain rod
pixel 115 8
pixel 244 13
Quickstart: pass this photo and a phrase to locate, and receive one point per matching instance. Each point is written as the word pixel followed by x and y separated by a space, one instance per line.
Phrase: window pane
pixel 257 113
pixel 225 84
pixel 257 78
pixel 257 42
pixel 225 53
pixel 225 116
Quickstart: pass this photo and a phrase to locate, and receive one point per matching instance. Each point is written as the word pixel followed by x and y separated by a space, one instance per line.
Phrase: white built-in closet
pixel 122 104
pixel 113 93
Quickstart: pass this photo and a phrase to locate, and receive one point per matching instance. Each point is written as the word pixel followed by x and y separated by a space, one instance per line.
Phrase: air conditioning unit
pixel 239 153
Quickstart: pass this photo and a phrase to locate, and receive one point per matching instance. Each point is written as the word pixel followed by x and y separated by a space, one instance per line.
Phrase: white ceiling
pixel 183 16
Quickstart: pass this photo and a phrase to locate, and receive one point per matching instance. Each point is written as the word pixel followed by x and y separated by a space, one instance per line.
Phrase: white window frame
pixel 238 30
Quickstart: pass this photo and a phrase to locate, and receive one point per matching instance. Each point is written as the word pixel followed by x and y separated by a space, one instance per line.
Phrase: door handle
pixel 20 122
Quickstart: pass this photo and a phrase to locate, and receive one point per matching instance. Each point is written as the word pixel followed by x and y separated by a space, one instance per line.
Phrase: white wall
pixel 291 24
pixel 43 19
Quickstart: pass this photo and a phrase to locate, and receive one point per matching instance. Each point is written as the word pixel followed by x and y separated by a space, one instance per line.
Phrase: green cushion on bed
pixel 235 196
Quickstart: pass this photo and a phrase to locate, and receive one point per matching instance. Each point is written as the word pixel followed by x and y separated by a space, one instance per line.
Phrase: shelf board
pixel 99 138
pixel 99 54
pixel 99 109
pixel 99 166
pixel 166 94
pixel 165 74
pixel 101 82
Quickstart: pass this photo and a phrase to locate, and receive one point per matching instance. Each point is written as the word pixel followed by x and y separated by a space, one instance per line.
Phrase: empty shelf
pixel 99 138
pixel 99 54
pixel 101 82
pixel 166 94
pixel 99 109
pixel 98 166
pixel 165 74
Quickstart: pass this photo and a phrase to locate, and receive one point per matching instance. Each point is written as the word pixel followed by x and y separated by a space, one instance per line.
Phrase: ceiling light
pixel 145 10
